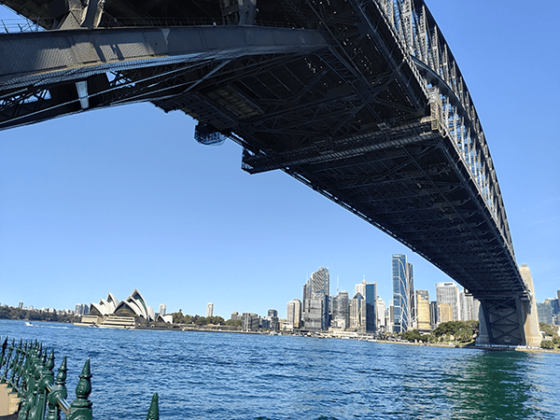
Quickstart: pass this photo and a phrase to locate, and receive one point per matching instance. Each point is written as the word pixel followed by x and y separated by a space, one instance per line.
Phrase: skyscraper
pixel 358 313
pixel 209 310
pixel 469 306
pixel 448 293
pixel 423 310
pixel 403 294
pixel 361 288
pixel 316 301
pixel 293 314
pixel 369 292
pixel 445 312
pixel 162 309
pixel 341 310
pixel 434 314
pixel 371 307
pixel 380 314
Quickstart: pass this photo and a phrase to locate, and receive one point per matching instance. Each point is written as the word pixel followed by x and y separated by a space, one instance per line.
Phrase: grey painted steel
pixel 52 57
pixel 368 107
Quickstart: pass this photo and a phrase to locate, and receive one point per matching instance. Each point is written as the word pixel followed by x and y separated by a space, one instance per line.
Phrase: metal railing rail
pixel 29 374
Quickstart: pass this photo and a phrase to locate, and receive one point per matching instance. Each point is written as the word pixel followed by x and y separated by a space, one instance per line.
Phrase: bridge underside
pixel 324 91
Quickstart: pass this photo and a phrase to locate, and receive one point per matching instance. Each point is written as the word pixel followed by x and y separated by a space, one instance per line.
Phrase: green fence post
pixel 34 405
pixel 19 367
pixel 58 391
pixel 6 359
pixel 80 409
pixel 153 412
pixel 3 351
pixel 15 366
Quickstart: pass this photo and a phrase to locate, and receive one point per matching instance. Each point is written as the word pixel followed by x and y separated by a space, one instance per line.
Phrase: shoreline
pixel 357 338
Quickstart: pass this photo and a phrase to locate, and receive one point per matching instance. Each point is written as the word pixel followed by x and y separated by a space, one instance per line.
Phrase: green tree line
pixel 550 331
pixel 8 312
pixel 461 331
pixel 180 318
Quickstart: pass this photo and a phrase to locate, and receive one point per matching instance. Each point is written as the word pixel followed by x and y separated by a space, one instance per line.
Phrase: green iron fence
pixel 27 372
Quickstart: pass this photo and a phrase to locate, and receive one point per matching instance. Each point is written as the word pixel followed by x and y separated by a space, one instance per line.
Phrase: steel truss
pixel 361 100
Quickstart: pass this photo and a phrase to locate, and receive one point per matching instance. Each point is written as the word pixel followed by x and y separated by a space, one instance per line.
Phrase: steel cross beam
pixel 40 58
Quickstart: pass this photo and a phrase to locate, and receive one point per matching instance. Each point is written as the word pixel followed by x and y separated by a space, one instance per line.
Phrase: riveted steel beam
pixel 41 58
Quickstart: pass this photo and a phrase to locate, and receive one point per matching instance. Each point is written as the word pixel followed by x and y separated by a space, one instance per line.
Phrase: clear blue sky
pixel 125 198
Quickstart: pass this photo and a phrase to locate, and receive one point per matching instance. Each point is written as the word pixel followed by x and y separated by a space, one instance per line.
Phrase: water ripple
pixel 237 376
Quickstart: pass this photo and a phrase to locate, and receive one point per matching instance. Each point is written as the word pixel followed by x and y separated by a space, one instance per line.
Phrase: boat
pixel 29 324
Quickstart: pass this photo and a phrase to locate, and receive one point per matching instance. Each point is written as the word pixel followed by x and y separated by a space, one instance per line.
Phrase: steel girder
pixel 503 316
pixel 39 62
pixel 380 120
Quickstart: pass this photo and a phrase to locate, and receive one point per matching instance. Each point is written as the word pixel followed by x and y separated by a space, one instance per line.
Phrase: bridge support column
pixel 532 329
pixel 510 320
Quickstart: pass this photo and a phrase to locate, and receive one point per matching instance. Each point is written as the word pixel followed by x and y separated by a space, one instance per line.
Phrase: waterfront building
pixel 403 294
pixel 273 320
pixel 390 317
pixel 469 306
pixel 357 313
pixel 371 307
pixel 20 306
pixel 315 311
pixel 162 309
pixel 293 314
pixel 341 314
pixel 250 322
pixel 360 288
pixel 434 314
pixel 81 309
pixel 369 292
pixel 381 325
pixel 445 312
pixel 423 310
pixel 105 307
pixel 448 293
pixel 135 306
pixel 545 311
pixel 235 316
pixel 209 310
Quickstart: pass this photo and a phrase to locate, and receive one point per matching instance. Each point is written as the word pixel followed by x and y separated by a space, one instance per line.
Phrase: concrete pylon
pixel 532 329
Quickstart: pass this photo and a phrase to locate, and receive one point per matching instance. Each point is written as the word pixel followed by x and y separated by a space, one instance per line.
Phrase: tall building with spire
pixel 403 294
pixel 316 300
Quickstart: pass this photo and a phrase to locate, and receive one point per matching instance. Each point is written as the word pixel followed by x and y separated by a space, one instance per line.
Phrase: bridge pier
pixel 510 320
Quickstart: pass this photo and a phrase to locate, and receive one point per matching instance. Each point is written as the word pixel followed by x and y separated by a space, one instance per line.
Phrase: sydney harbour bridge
pixel 362 100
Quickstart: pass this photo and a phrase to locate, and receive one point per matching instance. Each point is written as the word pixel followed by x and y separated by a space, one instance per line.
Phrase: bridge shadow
pixel 496 385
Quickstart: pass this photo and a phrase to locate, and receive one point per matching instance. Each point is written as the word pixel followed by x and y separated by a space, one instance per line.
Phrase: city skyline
pixel 125 198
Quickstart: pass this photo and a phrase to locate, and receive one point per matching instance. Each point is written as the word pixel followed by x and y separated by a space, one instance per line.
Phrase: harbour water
pixel 238 376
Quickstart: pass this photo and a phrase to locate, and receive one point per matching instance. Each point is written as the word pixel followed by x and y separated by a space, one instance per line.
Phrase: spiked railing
pixel 31 385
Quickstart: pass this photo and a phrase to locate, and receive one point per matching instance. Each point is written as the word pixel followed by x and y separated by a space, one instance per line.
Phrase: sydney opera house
pixel 129 313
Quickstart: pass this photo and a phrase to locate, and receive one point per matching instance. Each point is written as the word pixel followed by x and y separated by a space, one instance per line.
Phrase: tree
pixel 547 344
pixel 178 317
pixel 412 335
pixel 464 335
pixel 233 323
